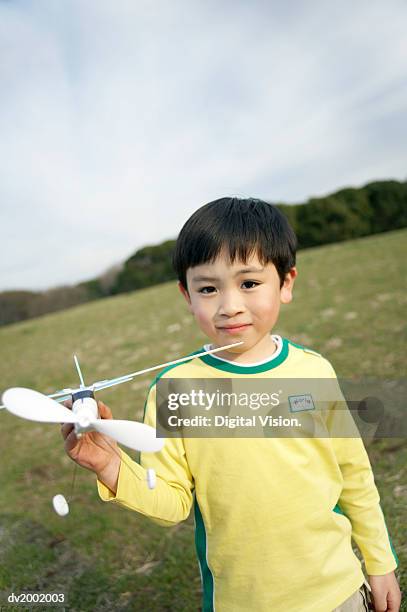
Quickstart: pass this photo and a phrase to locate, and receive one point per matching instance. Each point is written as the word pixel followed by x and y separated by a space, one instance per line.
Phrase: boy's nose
pixel 230 305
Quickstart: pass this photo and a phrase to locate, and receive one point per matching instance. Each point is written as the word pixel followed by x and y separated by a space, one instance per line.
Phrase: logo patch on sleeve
pixel 298 403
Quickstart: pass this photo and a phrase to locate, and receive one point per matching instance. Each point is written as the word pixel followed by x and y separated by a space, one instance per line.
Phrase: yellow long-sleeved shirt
pixel 274 517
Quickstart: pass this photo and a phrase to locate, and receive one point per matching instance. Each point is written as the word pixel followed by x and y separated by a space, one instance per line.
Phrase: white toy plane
pixel 35 406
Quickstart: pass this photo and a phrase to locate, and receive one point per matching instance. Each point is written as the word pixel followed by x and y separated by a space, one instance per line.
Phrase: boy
pixel 274 517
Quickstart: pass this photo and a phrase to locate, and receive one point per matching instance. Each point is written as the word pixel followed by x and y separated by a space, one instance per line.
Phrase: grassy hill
pixel 349 304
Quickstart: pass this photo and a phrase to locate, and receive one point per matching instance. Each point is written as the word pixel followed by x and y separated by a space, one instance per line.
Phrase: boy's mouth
pixel 234 328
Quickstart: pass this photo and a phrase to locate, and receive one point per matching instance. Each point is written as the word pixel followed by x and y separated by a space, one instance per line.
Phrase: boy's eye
pixel 250 283
pixel 203 289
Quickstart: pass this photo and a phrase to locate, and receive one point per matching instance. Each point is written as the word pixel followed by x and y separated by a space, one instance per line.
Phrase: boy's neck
pixel 260 351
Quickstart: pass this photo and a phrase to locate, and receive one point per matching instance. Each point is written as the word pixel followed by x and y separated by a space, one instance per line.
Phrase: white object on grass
pixel 60 505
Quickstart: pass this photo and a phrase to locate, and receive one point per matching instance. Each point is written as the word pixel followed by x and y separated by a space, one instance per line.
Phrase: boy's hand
pixel 385 593
pixel 93 450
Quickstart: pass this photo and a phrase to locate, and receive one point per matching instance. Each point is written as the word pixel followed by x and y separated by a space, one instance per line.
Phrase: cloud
pixel 117 120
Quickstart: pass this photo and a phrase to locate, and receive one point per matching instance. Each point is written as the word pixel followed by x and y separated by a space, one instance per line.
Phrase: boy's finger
pixel 71 441
pixel 66 429
pixel 67 403
pixel 104 411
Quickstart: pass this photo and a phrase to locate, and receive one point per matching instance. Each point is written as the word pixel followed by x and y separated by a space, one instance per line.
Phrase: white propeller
pixel 130 433
pixel 34 406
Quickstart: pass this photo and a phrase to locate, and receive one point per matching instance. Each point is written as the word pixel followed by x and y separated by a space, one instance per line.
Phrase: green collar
pixel 238 369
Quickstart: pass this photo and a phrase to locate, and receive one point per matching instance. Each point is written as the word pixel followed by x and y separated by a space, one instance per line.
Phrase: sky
pixel 119 119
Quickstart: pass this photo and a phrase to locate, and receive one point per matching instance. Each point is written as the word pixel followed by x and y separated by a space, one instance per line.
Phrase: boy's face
pixel 221 295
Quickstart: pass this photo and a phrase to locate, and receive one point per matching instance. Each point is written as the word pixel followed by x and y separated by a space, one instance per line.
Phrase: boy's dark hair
pixel 243 226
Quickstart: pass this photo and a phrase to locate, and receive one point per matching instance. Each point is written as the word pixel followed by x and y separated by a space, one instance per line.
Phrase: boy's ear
pixel 185 294
pixel 286 291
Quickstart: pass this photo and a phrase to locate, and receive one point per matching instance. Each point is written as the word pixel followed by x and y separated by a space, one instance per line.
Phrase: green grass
pixel 349 304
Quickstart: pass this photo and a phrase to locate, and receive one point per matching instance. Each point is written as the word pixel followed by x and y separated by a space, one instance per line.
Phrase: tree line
pixel 349 213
